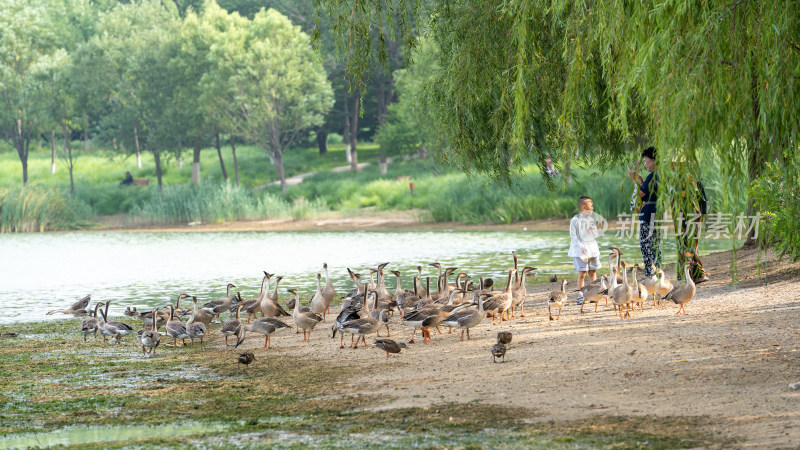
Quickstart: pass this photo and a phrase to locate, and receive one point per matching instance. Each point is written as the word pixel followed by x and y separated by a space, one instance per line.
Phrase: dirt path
pixel 731 359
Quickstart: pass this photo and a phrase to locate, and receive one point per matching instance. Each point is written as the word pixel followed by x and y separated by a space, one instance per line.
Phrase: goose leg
pixel 549 312
pixel 413 333
pixel 426 334
pixel 387 330
pixel 341 340
pixel 559 314
pixel 522 309
pixel 462 334
pixel 468 338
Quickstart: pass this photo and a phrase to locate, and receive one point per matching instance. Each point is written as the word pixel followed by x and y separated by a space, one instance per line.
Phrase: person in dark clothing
pixel 128 180
pixel 649 234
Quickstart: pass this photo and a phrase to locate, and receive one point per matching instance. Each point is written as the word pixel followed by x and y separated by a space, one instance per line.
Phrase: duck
pixel 175 328
pixel 683 295
pixel 89 324
pixel 114 329
pixel 78 309
pixel 269 304
pixel 149 338
pixel 553 279
pixel 306 321
pixel 498 351
pixel 244 358
pixel 467 318
pixel 623 294
pixel 233 327
pixel 266 326
pixel 504 337
pixel 389 346
pixel 196 330
pixel 557 299
pixel 593 293
pixel 217 307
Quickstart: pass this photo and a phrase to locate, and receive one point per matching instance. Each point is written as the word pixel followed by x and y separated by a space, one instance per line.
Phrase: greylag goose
pixel 557 299
pixel 175 328
pixel 89 324
pixel 266 326
pixel 466 319
pixel 684 294
pixel 78 309
pixel 233 327
pixel 150 338
pixel 306 321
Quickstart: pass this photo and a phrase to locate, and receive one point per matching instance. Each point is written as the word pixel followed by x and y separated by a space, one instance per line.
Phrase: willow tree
pixel 593 79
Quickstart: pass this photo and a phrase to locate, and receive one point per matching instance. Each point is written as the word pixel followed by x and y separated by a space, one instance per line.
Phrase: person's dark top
pixel 650 190
pixel 128 180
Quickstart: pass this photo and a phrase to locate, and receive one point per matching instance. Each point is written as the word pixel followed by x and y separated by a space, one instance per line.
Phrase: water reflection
pixel 47 271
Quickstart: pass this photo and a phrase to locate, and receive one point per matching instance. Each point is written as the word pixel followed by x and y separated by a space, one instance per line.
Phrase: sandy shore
pixel 729 361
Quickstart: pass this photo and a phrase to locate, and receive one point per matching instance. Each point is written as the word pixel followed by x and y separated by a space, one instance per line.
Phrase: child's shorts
pixel 583 266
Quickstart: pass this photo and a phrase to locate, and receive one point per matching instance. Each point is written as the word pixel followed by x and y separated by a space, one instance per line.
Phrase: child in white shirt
pixel 583 245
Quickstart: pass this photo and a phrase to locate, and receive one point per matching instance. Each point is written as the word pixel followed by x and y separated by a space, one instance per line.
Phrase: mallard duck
pixel 150 338
pixel 265 326
pixel 498 351
pixel 176 329
pixel 306 321
pixel 553 279
pixel 78 309
pixel 89 324
pixel 244 358
pixel 684 294
pixel 389 346
pixel 557 299
pixel 233 327
pixel 504 337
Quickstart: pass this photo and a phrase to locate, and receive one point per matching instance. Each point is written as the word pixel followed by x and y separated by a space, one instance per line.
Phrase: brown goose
pixel 266 326
pixel 684 294
pixel 78 309
pixel 520 291
pixel 89 324
pixel 150 338
pixel 233 327
pixel 217 307
pixel 269 304
pixel 306 321
pixel 175 328
pixel 389 346
pixel 557 299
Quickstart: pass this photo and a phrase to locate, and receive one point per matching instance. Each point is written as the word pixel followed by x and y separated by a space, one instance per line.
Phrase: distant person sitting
pixel 551 170
pixel 128 180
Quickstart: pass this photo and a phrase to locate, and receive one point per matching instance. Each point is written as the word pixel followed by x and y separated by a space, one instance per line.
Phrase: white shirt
pixel 583 234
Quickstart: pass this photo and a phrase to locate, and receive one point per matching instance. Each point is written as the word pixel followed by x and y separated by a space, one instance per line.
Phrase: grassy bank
pixel 52 379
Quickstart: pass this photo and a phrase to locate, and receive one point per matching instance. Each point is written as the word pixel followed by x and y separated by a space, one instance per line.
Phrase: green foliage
pixel 29 209
pixel 777 199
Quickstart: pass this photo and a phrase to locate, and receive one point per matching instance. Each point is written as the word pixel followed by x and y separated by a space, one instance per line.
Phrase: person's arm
pixel 575 236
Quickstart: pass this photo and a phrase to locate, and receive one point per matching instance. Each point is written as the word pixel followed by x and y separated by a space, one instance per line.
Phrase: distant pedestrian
pixel 128 180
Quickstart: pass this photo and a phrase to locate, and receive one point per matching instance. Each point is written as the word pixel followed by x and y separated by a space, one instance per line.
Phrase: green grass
pixel 51 379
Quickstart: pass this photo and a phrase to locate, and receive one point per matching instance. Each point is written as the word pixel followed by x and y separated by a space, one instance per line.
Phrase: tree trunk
pixel 114 144
pixel 22 139
pixel 322 140
pixel 346 133
pixel 85 140
pixel 180 153
pixel 157 160
pixel 138 150
pixel 68 152
pixel 196 162
pixel 219 153
pixel 354 134
pixel 235 161
pixel 52 151
pixel 278 157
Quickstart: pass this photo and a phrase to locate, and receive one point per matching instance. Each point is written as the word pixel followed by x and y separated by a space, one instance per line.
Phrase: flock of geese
pixel 368 308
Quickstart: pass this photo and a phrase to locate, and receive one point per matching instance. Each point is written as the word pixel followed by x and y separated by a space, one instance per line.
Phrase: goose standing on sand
pixel 640 292
pixel 175 328
pixel 403 297
pixel 78 309
pixel 466 319
pixel 196 330
pixel 200 316
pixel 557 299
pixel 362 327
pixel 685 293
pixel 269 304
pixel 150 338
pixel 500 301
pixel 650 282
pixel 217 307
pixel 266 326
pixel 306 321
pixel 232 327
pixel 623 294
pixel 252 306
pixel 520 292
pixel 321 301
pixel 593 293
pixel 663 286
pixel 89 324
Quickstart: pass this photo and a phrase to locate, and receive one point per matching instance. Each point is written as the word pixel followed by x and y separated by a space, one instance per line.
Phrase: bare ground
pixel 727 363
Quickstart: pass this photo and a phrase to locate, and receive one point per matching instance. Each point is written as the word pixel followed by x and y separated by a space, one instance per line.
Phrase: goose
pixel 362 327
pixel 389 346
pixel 200 316
pixel 78 309
pixel 403 297
pixel 269 304
pixel 356 279
pixel 384 296
pixel 217 307
pixel 684 294
pixel 421 292
pixel 113 328
pixel 306 321
pixel 89 324
pixel 178 309
pixel 265 326
pixel 196 330
pixel 500 301
pixel 321 302
pixel 640 292
pixel 520 291
pixel 147 318
pixel 593 293
pixel 244 358
pixel 557 299
pixel 498 351
pixel 150 338
pixel 252 306
pixel 233 327
pixel 612 286
pixel 650 282
pixel 466 319
pixel 176 329
pixel 623 294
pixel 415 319
pixel 663 286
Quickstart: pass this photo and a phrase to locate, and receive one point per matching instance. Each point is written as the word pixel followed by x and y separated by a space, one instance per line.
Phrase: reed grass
pixel 31 209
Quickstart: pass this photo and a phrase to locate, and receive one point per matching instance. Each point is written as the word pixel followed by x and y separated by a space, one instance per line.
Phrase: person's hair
pixel 649 152
pixel 582 201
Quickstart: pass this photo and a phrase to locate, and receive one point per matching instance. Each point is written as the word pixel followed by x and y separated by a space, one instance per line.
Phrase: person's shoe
pixel 579 301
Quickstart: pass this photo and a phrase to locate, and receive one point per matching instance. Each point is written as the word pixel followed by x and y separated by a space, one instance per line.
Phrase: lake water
pixel 44 271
